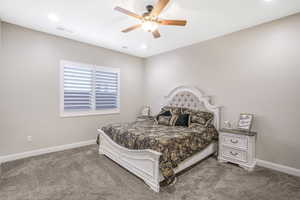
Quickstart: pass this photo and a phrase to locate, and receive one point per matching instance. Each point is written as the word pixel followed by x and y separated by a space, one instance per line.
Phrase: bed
pixel 156 152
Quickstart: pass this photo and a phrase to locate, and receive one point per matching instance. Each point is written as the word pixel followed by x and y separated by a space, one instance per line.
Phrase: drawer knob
pixel 233 153
pixel 234 141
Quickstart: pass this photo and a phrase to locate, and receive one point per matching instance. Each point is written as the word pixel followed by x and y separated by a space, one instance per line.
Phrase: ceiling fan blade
pixel 156 34
pixel 173 22
pixel 132 28
pixel 127 12
pixel 159 7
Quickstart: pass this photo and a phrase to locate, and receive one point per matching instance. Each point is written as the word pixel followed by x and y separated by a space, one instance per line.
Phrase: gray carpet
pixel 81 174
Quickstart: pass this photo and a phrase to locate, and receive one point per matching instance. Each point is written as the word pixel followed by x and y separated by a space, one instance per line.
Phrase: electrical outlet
pixel 29 138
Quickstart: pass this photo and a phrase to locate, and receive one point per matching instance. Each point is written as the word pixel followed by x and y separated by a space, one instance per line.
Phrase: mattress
pixel 174 142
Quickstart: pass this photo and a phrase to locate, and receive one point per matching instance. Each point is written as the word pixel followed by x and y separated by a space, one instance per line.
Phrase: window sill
pixel 82 114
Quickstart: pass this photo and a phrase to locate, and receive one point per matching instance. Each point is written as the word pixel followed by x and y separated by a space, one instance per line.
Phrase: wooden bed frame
pixel 145 163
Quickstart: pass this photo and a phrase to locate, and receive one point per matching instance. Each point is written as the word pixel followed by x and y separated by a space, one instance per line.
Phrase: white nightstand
pixel 237 146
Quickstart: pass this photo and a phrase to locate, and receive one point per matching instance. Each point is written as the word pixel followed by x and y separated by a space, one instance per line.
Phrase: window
pixel 89 90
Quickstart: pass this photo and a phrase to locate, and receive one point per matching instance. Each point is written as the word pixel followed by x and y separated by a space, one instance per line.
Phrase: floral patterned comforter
pixel 175 143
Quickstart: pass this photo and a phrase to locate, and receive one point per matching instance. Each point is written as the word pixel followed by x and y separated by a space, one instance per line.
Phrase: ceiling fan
pixel 149 20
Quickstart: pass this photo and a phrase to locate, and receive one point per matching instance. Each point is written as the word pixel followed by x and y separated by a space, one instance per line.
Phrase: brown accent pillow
pixel 195 118
pixel 199 117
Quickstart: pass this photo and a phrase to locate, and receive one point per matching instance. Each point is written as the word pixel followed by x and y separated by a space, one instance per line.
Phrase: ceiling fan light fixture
pixel 149 26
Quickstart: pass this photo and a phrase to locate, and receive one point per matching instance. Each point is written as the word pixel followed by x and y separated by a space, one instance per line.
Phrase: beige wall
pixel 256 70
pixel 0 40
pixel 29 89
pixel 0 35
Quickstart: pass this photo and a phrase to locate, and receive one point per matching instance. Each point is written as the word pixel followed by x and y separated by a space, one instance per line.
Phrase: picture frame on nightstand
pixel 245 122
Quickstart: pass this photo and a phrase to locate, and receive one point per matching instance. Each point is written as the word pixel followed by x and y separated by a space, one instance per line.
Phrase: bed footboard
pixel 142 163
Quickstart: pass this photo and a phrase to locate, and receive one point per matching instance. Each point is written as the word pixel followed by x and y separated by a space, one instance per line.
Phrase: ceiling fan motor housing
pixel 149 8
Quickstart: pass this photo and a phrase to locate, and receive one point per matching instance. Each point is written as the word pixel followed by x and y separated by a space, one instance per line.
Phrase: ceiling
pixel 95 21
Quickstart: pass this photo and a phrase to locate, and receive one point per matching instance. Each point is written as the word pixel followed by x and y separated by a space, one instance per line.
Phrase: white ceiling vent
pixel 60 28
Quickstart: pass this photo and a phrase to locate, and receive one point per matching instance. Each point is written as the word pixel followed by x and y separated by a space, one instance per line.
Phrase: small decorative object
pixel 245 121
pixel 145 111
pixel 227 125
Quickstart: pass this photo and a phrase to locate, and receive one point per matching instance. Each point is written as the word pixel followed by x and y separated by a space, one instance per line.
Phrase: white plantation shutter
pixel 88 89
pixel 106 89
pixel 78 83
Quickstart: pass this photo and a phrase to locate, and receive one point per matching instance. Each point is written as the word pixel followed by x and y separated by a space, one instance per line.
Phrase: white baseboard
pixel 37 152
pixel 278 167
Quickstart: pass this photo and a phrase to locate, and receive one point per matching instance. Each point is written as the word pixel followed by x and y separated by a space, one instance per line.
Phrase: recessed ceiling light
pixel 53 17
pixel 144 46
pixel 268 0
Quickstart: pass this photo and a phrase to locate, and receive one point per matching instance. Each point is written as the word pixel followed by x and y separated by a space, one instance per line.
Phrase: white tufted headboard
pixel 192 98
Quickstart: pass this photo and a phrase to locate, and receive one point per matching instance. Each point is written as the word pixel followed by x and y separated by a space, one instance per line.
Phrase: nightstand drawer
pixel 234 154
pixel 234 140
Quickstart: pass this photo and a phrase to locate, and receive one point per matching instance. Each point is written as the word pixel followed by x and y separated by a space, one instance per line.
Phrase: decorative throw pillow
pixel 163 113
pixel 173 119
pixel 201 117
pixel 173 110
pixel 196 126
pixel 164 120
pixel 182 120
pixel 198 119
pixel 186 111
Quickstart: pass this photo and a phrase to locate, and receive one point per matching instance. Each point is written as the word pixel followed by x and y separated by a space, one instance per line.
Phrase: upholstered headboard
pixel 192 98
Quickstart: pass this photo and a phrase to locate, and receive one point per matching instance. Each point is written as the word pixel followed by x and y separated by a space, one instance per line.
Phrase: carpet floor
pixel 82 174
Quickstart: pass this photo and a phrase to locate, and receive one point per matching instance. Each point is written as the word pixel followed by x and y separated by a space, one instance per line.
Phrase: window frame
pixel 93 111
